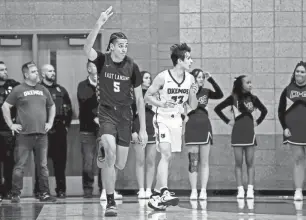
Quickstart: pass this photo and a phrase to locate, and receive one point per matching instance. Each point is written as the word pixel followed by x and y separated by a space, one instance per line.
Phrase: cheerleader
pixel 198 134
pixel 291 113
pixel 243 103
pixel 145 155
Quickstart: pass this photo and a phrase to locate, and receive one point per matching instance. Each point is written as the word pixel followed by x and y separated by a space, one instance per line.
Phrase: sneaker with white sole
pixel 240 194
pixel 148 193
pixel 250 194
pixel 117 196
pixel 111 209
pixel 141 194
pixel 168 199
pixel 155 203
pixel 203 195
pixel 193 195
pixel 298 195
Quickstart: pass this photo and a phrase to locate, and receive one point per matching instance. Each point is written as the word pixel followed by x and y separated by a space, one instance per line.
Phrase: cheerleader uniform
pixel 149 121
pixel 198 128
pixel 291 113
pixel 243 133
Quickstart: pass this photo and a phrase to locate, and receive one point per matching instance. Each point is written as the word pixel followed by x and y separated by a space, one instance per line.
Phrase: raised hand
pixel 207 75
pixel 194 88
pixel 105 15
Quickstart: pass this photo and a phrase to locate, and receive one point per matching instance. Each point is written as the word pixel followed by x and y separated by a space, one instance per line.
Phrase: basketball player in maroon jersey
pixel 291 113
pixel 118 76
pixel 243 103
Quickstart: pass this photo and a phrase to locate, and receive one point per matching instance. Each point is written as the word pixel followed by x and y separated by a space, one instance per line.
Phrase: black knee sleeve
pixel 193 162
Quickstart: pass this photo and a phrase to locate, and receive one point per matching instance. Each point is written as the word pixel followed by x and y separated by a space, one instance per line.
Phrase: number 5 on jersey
pixel 116 86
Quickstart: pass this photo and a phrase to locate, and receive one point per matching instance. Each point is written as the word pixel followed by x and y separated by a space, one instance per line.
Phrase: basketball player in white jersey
pixel 169 92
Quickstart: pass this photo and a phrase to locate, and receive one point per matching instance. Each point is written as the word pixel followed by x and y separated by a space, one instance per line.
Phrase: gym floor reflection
pixel 221 208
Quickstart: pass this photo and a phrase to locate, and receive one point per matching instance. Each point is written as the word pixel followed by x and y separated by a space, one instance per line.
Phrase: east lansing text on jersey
pixel 116 76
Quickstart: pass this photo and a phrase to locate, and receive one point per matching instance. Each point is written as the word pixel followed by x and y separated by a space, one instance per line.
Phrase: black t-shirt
pixel 88 105
pixel 116 81
pixel 5 90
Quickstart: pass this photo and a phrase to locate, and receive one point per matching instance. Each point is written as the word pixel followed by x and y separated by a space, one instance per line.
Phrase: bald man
pixel 57 136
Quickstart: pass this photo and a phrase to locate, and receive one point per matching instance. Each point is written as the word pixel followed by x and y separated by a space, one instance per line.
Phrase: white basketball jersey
pixel 177 91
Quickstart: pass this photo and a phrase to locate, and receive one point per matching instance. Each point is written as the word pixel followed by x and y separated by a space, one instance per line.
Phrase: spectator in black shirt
pixel 89 124
pixel 7 140
pixel 57 136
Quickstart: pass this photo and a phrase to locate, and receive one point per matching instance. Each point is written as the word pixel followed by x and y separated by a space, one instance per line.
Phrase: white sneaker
pixel 103 195
pixel 141 194
pixel 117 196
pixel 148 193
pixel 250 194
pixel 240 194
pixel 155 203
pixel 298 195
pixel 194 195
pixel 203 195
pixel 168 199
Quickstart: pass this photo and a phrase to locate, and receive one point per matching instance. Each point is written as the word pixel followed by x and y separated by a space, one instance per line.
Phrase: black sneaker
pixel 45 197
pixel 15 199
pixel 37 195
pixel 111 209
pixel 87 195
pixel 8 196
pixel 61 195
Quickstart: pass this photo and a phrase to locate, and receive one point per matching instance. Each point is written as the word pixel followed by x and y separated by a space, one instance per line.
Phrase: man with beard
pixel 57 136
pixel 35 116
pixel 7 140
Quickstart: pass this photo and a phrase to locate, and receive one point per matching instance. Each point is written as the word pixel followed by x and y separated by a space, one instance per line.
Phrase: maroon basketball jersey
pixel 115 83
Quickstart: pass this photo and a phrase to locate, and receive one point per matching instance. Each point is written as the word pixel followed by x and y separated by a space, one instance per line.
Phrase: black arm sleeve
pixel 217 94
pixel 263 110
pixel 282 109
pixel 218 109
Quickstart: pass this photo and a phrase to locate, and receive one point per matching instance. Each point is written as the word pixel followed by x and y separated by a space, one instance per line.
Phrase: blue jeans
pixel 89 154
pixel 25 144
